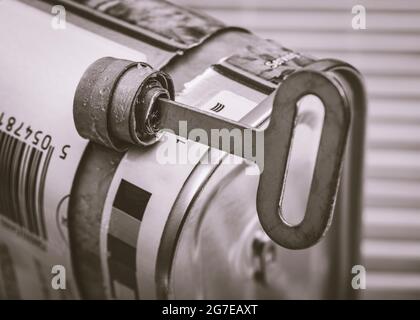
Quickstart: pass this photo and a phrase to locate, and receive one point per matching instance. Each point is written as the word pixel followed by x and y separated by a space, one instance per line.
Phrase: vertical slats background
pixel 388 54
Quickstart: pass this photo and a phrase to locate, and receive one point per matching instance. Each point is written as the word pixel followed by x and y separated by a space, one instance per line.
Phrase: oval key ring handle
pixel 277 142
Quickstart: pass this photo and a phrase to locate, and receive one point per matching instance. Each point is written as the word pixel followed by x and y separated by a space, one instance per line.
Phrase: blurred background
pixel 387 53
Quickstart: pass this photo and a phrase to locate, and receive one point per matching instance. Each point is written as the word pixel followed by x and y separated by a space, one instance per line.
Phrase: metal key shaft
pixel 172 114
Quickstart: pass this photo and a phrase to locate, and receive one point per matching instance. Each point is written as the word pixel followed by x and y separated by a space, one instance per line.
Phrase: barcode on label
pixel 23 170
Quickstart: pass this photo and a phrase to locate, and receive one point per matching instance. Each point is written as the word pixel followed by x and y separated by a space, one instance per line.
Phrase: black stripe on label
pixel 122 263
pixel 131 199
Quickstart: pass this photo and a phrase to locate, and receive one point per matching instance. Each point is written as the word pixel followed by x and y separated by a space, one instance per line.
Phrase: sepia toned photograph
pixel 235 150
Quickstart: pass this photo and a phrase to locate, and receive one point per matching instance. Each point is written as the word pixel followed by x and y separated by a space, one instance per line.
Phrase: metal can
pixel 128 225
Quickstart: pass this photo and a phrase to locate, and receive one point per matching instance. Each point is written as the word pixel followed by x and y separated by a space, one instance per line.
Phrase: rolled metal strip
pixel 93 98
pixel 133 118
pixel 114 103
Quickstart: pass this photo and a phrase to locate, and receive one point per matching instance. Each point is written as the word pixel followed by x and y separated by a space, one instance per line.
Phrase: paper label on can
pixel 229 105
pixel 27 272
pixel 40 148
pixel 202 89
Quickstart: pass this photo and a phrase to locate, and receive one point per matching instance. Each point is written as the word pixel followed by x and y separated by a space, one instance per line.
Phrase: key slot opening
pixel 302 157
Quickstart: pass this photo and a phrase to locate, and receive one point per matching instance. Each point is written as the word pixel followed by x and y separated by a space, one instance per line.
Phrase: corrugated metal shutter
pixel 388 54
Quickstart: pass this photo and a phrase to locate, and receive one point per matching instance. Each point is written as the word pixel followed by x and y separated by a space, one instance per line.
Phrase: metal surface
pixel 228 253
pixel 93 98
